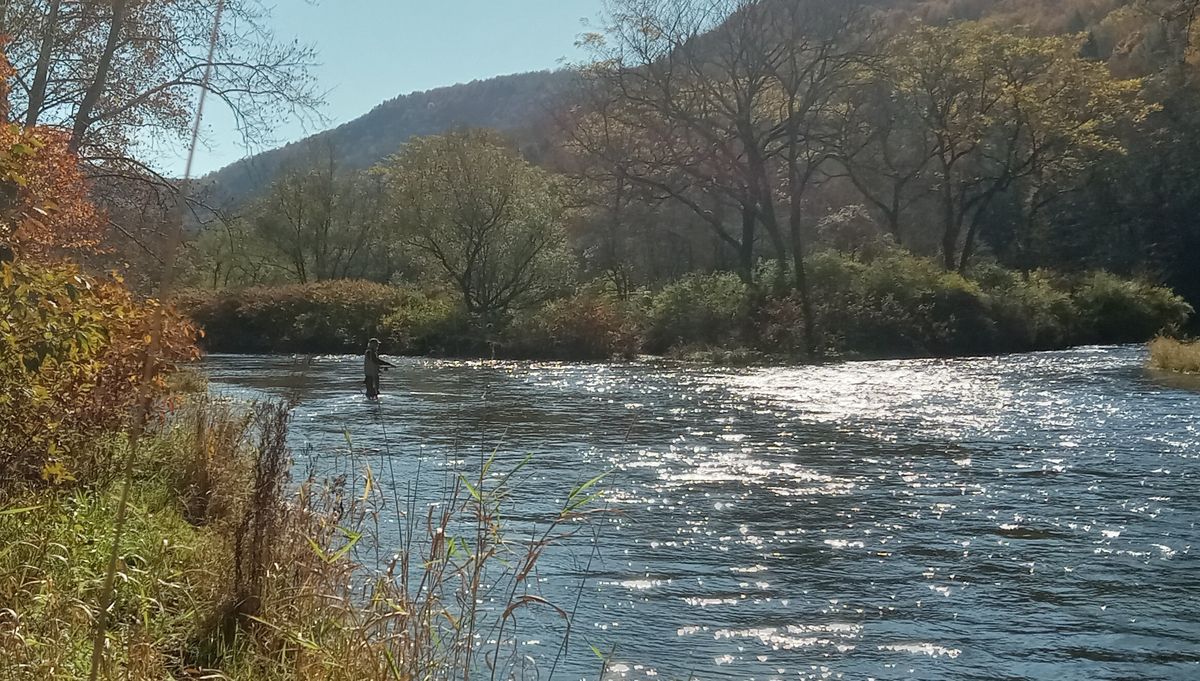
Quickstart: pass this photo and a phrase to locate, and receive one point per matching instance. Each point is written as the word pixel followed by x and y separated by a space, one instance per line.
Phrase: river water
pixel 1021 517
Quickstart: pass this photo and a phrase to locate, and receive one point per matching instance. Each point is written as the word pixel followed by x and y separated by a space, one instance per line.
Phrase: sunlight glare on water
pixel 1031 516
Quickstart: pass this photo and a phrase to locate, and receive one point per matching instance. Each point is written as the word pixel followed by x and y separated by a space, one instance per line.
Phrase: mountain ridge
pixel 519 104
pixel 509 103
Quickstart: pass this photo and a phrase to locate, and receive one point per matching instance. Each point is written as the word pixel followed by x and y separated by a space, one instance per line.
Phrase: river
pixel 1020 517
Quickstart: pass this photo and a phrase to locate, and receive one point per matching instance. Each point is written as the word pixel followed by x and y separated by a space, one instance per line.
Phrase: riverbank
pixel 891 306
pixel 208 526
pixel 228 569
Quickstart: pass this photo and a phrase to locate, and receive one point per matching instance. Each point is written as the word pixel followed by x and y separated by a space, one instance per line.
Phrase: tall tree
pixel 1001 109
pixel 684 111
pixel 122 75
pixel 813 52
pixel 724 101
pixel 632 135
pixel 881 148
pixel 322 220
pixel 490 222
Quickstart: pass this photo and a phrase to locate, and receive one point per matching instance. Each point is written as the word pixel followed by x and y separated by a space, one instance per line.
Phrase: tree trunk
pixel 811 346
pixel 950 230
pixel 770 220
pixel 83 117
pixel 37 89
pixel 746 255
pixel 950 225
pixel 893 217
pixel 968 247
pixel 799 272
pixel 972 238
pixel 761 191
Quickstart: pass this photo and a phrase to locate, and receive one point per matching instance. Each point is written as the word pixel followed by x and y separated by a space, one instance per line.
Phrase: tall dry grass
pixel 230 570
pixel 1171 354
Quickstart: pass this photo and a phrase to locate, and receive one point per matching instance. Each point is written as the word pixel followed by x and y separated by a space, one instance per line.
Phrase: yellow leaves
pixel 50 209
pixel 977 87
pixel 53 470
pixel 40 393
pixel 55 473
pixel 70 363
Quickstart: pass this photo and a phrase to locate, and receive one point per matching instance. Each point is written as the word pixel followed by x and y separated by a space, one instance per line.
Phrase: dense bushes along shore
pixel 895 305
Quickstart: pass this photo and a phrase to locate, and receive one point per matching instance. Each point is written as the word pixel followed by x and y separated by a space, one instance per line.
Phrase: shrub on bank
pixel 71 350
pixel 1032 312
pixel 897 304
pixel 586 326
pixel 891 304
pixel 330 316
pixel 698 310
pixel 1116 310
pixel 942 312
pixel 426 325
pixel 1171 354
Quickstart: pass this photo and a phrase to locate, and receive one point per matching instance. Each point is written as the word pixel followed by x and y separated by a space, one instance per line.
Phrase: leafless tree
pixel 724 103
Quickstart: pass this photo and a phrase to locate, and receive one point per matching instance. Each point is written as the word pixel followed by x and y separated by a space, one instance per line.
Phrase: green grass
pixel 53 553
pixel 1170 354
pixel 229 571
pixel 187 381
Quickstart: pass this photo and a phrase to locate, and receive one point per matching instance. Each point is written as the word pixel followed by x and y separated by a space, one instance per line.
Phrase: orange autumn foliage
pixel 72 345
pixel 45 209
pixel 71 357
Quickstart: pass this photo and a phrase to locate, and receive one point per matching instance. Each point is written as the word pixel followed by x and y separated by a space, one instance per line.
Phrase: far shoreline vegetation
pixel 930 192
pixel 888 306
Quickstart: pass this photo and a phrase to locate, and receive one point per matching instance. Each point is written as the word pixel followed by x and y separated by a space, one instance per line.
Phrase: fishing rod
pixel 150 358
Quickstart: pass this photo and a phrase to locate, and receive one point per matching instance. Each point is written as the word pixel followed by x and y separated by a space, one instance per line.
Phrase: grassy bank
pixel 891 305
pixel 1170 354
pixel 227 568
pixel 230 571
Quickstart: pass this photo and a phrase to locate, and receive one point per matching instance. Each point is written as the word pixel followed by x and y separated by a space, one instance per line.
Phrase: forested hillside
pixel 1126 33
pixel 513 104
pixel 804 176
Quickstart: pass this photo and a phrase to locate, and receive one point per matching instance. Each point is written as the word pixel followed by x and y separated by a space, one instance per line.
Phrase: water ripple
pixel 1030 516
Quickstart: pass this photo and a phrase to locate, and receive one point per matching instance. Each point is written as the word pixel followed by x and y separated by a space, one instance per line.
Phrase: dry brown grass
pixel 1171 354
pixel 228 571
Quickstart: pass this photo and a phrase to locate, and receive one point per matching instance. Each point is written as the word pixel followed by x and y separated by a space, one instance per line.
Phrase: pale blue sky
pixel 373 50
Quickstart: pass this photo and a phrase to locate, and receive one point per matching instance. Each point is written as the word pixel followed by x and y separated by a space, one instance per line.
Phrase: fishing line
pixel 150 359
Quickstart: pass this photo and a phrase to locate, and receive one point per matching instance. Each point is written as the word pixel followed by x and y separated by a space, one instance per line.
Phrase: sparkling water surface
pixel 1020 517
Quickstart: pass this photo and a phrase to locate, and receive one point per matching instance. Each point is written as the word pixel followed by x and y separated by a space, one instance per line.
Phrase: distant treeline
pixel 890 305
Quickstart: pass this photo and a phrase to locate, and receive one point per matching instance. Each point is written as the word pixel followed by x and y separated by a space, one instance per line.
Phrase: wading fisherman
pixel 372 364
